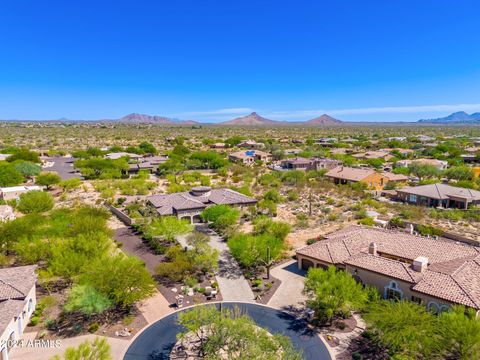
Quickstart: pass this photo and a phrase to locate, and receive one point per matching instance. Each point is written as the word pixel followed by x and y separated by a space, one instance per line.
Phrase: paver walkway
pixel 232 283
pixel 289 294
pixel 155 307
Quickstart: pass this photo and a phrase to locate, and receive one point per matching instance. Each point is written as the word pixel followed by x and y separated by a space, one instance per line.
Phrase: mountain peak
pixel 252 119
pixel 459 117
pixel 324 119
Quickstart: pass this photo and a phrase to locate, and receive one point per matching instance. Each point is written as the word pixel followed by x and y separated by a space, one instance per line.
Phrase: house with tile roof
pixel 347 175
pixel 439 195
pixel 439 164
pixel 14 192
pixel 381 154
pixel 251 144
pixel 249 157
pixel 432 271
pixel 189 205
pixel 301 163
pixel 17 303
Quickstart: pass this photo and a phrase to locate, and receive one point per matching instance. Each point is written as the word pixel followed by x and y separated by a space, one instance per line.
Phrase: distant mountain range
pixel 254 119
pixel 460 117
pixel 153 119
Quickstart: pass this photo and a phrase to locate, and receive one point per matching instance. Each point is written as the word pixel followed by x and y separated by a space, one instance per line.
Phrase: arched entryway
pixel 307 264
pixel 196 219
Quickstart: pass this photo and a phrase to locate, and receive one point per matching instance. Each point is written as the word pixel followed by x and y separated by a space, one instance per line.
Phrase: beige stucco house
pixel 434 272
pixel 14 192
pixel 17 303
pixel 250 156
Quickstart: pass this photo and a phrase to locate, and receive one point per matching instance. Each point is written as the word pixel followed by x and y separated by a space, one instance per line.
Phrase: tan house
pixel 300 163
pixel 476 172
pixel 218 145
pixel 17 303
pixel 433 272
pixel 439 164
pixel 6 213
pixel 398 179
pixel 383 155
pixel 347 175
pixel 189 205
pixel 14 192
pixel 251 144
pixel 249 157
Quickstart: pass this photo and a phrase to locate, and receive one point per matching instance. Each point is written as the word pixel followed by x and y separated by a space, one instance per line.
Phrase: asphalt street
pixel 156 342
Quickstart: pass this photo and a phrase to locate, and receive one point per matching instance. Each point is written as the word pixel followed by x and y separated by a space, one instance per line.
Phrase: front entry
pixel 306 264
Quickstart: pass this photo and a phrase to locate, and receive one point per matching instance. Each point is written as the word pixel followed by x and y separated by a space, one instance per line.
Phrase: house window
pixel 416 299
pixel 30 306
pixel 413 198
pixel 392 292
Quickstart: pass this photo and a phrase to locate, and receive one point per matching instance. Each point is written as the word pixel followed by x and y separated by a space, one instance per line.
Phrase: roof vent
pixel 372 249
pixel 409 229
pixel 420 264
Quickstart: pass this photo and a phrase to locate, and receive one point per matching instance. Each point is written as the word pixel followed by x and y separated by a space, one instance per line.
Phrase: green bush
pixel 34 320
pixel 36 201
pixel 368 221
pixel 429 230
pixel 257 283
pixel 93 327
pixel 51 325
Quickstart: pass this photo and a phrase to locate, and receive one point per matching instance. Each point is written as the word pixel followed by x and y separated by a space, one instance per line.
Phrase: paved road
pixel 289 295
pixel 158 339
pixel 63 166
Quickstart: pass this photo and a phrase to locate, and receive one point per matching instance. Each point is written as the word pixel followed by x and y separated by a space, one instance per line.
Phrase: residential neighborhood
pixel 239 180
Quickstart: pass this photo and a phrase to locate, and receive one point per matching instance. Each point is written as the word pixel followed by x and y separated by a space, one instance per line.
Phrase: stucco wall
pixel 381 282
pixel 13 326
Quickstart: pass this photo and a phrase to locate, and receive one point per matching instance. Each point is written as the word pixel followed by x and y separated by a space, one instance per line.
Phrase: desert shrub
pixel 35 201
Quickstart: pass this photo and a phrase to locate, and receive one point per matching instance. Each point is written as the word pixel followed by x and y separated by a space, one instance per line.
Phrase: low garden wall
pixel 127 220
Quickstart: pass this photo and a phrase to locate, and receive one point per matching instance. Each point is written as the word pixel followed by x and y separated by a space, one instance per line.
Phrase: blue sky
pixel 215 60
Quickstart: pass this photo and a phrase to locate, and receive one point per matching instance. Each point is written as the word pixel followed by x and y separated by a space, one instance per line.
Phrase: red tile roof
pixel 453 271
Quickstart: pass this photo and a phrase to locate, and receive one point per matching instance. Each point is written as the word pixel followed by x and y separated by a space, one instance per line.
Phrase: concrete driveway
pixel 289 295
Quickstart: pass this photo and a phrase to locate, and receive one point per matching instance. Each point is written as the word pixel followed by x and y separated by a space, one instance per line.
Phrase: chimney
pixel 409 229
pixel 372 249
pixel 420 264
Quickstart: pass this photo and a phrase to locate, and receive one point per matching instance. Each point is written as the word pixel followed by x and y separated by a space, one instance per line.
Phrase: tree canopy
pixel 333 293
pixel 233 334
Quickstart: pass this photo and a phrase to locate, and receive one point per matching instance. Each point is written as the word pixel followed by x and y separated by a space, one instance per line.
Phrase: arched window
pixel 30 306
pixel 392 291
pixel 444 308
pixel 433 307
